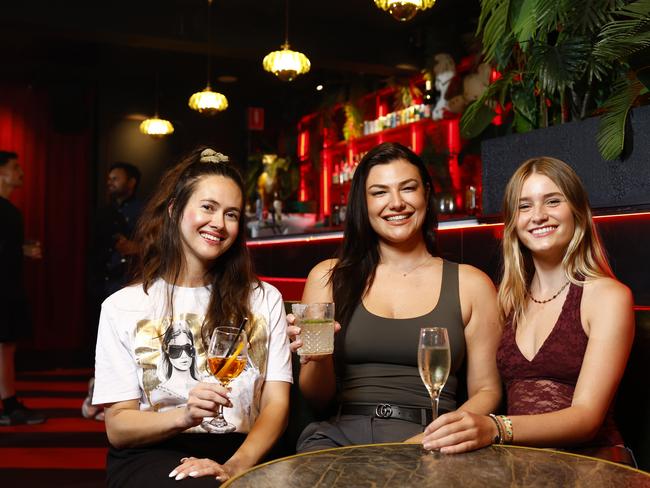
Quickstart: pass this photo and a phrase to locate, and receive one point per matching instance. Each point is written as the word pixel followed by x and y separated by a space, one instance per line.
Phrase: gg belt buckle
pixel 384 411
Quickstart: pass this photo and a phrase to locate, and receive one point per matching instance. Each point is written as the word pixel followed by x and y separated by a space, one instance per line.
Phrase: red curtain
pixel 54 203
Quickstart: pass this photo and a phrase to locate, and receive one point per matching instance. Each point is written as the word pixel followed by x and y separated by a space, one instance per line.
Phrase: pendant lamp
pixel 286 64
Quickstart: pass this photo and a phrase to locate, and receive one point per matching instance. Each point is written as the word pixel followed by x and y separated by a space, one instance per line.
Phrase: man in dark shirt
pixel 115 227
pixel 113 248
pixel 15 318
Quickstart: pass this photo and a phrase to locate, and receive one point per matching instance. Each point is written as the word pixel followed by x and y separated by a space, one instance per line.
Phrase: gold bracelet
pixel 498 439
pixel 507 428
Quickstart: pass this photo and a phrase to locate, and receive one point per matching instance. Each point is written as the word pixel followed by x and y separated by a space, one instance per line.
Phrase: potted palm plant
pixel 563 61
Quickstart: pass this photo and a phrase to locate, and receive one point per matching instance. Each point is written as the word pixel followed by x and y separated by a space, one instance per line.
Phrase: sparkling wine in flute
pixel 434 362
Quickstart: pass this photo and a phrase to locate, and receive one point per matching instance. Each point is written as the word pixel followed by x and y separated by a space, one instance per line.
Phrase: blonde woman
pixel 569 325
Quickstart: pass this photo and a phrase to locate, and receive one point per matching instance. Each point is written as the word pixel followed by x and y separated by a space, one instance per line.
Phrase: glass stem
pixel 434 406
pixel 220 414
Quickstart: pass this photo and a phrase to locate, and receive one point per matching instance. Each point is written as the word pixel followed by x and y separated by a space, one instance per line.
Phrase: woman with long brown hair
pixel 569 325
pixel 387 283
pixel 194 273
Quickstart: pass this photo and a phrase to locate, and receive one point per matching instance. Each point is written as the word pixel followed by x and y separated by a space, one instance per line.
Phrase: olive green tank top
pixel 380 355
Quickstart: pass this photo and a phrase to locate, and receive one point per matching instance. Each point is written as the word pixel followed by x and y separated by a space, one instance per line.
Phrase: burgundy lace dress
pixel 547 383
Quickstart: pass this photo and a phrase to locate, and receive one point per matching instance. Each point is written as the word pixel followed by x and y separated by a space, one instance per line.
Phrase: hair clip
pixel 211 156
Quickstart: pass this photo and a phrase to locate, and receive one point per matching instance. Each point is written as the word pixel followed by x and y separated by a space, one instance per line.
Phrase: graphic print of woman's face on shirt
pixel 181 351
pixel 178 347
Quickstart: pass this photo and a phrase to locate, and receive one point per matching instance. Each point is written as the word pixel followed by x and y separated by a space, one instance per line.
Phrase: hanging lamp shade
pixel 286 64
pixel 404 9
pixel 156 127
pixel 208 102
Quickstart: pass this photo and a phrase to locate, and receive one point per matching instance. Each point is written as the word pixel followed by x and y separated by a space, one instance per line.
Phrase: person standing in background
pixel 115 225
pixel 15 320
pixel 112 249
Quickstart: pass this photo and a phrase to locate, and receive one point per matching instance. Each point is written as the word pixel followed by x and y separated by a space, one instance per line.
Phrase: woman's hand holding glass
pixel 293 331
pixel 204 400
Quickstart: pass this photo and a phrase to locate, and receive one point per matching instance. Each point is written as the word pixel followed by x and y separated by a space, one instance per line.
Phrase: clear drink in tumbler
pixel 316 322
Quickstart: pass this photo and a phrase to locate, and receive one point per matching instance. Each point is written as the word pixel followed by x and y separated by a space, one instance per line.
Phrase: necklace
pixel 552 298
pixel 404 274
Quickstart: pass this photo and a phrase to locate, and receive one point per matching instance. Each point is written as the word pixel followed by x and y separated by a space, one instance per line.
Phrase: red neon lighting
pixel 417 137
pixel 337 236
pixel 629 216
pixel 453 145
pixel 303 144
pixel 302 189
pixel 325 185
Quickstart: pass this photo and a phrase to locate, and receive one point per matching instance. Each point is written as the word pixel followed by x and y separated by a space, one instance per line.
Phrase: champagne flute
pixel 434 362
pixel 227 357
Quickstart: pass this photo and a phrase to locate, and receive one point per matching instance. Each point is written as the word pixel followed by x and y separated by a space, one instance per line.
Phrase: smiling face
pixel 396 201
pixel 545 222
pixel 210 221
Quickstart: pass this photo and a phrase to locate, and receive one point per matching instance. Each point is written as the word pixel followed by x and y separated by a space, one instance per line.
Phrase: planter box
pixel 610 184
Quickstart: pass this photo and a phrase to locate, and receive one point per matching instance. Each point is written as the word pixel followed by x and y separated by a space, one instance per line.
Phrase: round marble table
pixel 408 465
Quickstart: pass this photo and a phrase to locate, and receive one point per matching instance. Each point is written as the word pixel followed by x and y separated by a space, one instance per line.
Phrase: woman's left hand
pixel 195 468
pixel 459 431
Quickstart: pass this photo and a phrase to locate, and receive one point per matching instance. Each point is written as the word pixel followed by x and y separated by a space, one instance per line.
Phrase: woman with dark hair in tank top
pixel 569 325
pixel 387 283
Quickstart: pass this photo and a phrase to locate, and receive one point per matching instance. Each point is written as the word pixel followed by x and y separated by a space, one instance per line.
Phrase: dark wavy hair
pixel 160 251
pixel 358 255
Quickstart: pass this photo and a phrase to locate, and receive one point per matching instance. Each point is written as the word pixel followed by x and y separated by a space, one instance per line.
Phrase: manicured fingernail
pixel 173 473
pixel 181 476
pixel 194 474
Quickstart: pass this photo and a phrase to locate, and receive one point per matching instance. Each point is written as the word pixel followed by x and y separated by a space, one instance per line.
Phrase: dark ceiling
pixel 129 42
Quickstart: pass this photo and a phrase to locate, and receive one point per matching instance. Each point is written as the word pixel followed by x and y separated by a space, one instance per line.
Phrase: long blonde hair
pixel 584 256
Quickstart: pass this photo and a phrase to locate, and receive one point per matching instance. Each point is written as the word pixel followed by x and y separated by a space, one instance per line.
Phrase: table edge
pixel 320 451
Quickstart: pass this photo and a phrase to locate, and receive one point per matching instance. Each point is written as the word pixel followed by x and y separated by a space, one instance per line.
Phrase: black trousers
pixel 150 466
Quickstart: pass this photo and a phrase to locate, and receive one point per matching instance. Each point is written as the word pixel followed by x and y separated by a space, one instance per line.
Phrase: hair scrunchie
pixel 211 156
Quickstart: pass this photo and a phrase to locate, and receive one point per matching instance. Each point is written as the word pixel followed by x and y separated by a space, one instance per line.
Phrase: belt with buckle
pixel 417 415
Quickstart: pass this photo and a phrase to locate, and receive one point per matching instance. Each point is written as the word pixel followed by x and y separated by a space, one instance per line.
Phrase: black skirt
pixel 151 465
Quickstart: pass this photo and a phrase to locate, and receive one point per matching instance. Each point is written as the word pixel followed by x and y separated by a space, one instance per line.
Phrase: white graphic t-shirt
pixel 144 354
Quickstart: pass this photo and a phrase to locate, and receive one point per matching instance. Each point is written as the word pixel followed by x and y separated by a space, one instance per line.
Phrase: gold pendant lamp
pixel 404 10
pixel 286 64
pixel 208 102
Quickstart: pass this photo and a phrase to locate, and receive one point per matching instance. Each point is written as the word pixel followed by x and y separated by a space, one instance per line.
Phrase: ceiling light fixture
pixel 207 101
pixel 404 10
pixel 286 64
pixel 155 126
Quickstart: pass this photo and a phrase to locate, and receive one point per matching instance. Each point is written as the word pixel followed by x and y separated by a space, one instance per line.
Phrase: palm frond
pixel 494 25
pixel 588 16
pixel 551 13
pixel 558 66
pixel 628 34
pixel 611 127
pixel 478 114
pixel 523 17
pixel 637 10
